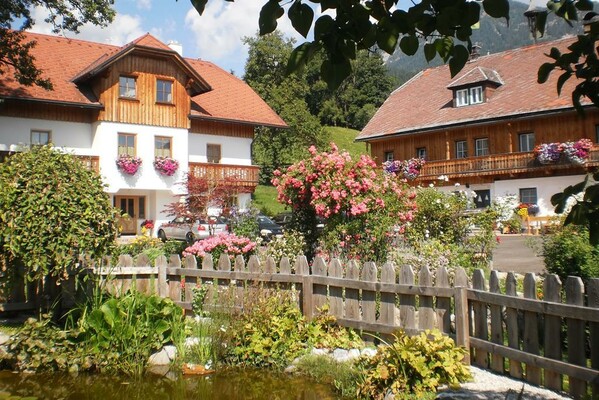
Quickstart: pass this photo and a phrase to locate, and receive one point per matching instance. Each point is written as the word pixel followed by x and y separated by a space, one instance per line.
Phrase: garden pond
pixel 231 384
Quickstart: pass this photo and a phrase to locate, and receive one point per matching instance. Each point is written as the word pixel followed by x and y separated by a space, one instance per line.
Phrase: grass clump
pixel 343 376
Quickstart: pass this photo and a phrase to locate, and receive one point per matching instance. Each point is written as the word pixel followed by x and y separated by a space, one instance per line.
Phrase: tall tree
pixel 265 73
pixel 64 15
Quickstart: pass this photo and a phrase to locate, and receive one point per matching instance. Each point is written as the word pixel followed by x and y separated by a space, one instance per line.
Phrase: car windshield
pixel 265 219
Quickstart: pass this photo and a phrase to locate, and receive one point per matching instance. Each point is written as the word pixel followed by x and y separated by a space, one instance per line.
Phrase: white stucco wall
pixel 237 151
pixel 74 137
pixel 105 144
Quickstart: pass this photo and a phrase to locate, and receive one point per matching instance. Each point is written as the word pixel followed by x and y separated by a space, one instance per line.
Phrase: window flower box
pixel 409 169
pixel 578 152
pixel 548 153
pixel 166 166
pixel 128 164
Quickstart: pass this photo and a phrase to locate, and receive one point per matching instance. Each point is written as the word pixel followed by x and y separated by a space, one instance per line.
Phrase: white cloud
pixel 220 30
pixel 144 4
pixel 123 29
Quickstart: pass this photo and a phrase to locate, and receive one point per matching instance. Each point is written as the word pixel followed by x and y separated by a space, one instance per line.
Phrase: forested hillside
pixel 493 36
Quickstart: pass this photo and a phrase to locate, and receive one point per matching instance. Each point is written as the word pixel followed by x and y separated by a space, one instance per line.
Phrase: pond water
pixel 226 385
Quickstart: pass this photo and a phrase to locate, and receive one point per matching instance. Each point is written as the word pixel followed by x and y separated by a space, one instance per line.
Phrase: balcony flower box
pixel 548 153
pixel 578 152
pixel 166 166
pixel 409 169
pixel 128 164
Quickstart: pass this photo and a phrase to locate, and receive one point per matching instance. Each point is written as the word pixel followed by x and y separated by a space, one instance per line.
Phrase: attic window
pixel 164 91
pixel 468 96
pixel 127 87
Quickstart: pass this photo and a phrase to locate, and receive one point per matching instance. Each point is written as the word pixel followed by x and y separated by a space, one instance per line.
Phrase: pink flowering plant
pixel 578 152
pixel 548 153
pixel 128 164
pixel 222 243
pixel 361 204
pixel 166 166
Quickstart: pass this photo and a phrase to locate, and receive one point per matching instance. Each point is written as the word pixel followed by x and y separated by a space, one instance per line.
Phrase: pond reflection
pixel 232 384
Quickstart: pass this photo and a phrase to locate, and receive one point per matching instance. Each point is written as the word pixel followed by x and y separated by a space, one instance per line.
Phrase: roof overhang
pixel 470 122
pixel 197 84
pixel 237 122
pixel 91 106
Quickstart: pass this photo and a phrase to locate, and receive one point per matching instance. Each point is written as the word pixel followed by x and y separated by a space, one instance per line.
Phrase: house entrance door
pixel 129 206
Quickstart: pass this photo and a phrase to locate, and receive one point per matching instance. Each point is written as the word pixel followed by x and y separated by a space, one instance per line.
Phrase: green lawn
pixel 265 197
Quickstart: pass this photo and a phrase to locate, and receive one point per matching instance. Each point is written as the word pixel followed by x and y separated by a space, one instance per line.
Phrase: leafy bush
pixel 290 245
pixel 343 376
pixel 569 252
pixel 52 209
pixel 245 224
pixel 114 335
pixel 413 365
pixel 272 332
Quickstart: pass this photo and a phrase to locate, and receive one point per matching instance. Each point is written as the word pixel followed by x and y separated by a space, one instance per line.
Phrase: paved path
pixel 513 254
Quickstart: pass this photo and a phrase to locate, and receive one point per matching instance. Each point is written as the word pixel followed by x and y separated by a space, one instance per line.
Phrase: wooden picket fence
pixel 547 335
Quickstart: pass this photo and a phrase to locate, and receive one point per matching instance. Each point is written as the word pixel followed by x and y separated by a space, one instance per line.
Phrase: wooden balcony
pixel 244 175
pixel 499 164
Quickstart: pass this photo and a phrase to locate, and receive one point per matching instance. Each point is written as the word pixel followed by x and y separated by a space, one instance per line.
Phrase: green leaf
pixel 544 71
pixel 591 194
pixel 458 60
pixel 323 26
pixel 299 57
pixel 335 73
pixel 409 45
pixel 578 215
pixel 386 36
pixel 540 22
pixel 199 5
pixel 561 80
pixel 301 16
pixel 497 8
pixel 271 11
pixel 584 5
pixel 430 51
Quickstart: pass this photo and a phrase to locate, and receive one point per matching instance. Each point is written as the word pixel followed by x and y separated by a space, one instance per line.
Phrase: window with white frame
pixel 461 149
pixel 40 138
pixel 528 195
pixel 461 97
pixel 476 95
pixel 389 156
pixel 127 87
pixel 164 91
pixel 526 141
pixel 482 146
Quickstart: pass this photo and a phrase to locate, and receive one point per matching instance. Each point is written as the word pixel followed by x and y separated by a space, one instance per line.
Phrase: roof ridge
pixel 62 37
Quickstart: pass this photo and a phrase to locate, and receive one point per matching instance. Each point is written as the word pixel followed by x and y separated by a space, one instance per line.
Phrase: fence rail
pixel 545 335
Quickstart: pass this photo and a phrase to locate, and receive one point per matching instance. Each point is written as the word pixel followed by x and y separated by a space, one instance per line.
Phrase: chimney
pixel 176 46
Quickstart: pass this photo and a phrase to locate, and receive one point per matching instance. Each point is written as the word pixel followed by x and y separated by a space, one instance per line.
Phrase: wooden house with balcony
pixel 139 103
pixel 480 128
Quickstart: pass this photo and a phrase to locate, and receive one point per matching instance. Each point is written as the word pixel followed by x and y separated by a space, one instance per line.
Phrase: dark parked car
pixel 268 228
pixel 283 218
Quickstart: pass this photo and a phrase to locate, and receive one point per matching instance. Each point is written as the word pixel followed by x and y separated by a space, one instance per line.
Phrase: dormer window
pixel 127 87
pixel 473 95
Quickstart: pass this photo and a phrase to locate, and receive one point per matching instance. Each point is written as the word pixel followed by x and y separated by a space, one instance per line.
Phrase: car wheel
pixel 190 238
pixel 161 235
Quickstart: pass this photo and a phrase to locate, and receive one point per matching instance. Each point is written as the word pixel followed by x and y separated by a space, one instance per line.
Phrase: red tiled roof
pixel 63 60
pixel 477 75
pixel 425 102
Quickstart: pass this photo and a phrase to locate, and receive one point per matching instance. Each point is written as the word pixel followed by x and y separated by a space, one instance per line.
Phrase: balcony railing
pixel 241 175
pixel 497 164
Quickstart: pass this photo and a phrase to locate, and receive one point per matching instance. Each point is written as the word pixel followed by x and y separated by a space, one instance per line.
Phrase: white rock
pixel 171 352
pixel 290 369
pixel 3 338
pixel 341 355
pixel 159 358
pixel 369 352
pixel 354 353
pixel 319 352
pixel 192 341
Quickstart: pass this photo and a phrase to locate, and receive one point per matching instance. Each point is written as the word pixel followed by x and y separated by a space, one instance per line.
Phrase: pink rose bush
pixel 128 164
pixel 224 242
pixel 166 166
pixel 363 206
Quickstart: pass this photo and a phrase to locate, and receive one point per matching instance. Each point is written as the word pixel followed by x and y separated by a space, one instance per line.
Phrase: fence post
pixel 161 264
pixel 576 335
pixel 462 325
pixel 593 301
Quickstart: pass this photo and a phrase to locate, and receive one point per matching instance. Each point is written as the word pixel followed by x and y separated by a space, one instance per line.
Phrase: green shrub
pixel 245 224
pixel 414 365
pixel 290 245
pixel 343 376
pixel 272 331
pixel 204 351
pixel 568 252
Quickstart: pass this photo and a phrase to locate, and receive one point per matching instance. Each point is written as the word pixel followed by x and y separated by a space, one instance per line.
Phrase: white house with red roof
pixel 480 128
pixel 142 101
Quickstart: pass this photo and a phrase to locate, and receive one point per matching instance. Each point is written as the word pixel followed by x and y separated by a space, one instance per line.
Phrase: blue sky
pixel 215 36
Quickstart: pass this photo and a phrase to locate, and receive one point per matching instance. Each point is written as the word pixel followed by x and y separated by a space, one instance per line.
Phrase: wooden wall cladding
pixel 22 109
pixel 503 136
pixel 221 129
pixel 144 109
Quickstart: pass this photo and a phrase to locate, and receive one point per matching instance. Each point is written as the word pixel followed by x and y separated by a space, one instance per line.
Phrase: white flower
pixel 431 185
pixel 456 184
